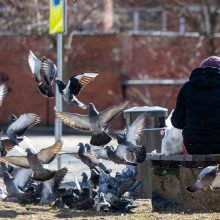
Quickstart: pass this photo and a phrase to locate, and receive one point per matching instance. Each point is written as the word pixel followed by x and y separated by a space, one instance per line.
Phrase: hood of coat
pixel 205 78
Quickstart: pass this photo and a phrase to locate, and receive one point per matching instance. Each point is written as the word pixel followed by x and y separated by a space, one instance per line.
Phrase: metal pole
pixel 58 97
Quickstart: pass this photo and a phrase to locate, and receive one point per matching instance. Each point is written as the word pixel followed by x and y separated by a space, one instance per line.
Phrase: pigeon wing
pixel 3 92
pixel 49 70
pixel 48 154
pixel 86 78
pixel 35 65
pixel 24 122
pixel 59 176
pixel 74 120
pixel 20 161
pixel 8 144
pixel 110 113
pixel 135 129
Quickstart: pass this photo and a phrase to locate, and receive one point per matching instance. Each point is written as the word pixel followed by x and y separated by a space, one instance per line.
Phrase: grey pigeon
pixel 208 178
pixel 74 85
pixel 126 143
pixel 14 191
pixel 18 126
pixel 45 72
pixel 94 121
pixel 35 161
pixel 90 160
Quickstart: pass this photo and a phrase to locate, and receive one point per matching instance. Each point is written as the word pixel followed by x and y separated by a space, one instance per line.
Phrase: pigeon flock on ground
pixel 27 178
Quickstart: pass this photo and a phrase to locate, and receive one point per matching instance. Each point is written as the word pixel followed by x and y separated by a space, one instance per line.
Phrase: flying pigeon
pixel 3 92
pixel 35 161
pixel 208 178
pixel 19 125
pixel 74 85
pixel 126 143
pixel 45 72
pixel 94 121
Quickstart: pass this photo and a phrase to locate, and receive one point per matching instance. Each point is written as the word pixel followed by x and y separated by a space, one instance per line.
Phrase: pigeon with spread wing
pixel 95 121
pixel 35 161
pixel 19 125
pixel 74 85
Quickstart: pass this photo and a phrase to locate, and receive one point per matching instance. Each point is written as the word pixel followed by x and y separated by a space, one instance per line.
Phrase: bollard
pixel 151 138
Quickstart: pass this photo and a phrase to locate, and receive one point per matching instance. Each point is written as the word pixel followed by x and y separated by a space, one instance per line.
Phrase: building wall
pixel 115 56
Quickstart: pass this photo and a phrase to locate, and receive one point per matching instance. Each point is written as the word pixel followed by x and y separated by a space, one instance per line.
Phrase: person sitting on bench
pixel 197 109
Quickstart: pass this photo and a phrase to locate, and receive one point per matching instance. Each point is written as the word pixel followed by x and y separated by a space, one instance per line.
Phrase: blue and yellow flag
pixel 56 17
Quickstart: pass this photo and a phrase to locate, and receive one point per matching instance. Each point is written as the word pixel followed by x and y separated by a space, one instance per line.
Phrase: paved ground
pixel 70 143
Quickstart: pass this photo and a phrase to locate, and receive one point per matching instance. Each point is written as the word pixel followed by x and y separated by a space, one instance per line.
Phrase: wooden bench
pixel 171 174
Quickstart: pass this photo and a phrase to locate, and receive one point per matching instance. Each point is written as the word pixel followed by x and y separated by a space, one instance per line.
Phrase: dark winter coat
pixel 197 111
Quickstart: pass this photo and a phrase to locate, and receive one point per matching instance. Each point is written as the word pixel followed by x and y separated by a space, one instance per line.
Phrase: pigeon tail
pixel 75 101
pixel 100 139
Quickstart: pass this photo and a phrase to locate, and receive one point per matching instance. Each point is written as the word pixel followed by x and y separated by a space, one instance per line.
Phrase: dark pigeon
pixel 18 126
pixel 35 161
pixel 94 121
pixel 74 85
pixel 45 72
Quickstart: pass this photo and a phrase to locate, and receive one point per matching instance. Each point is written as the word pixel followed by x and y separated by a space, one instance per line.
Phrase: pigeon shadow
pixel 12 213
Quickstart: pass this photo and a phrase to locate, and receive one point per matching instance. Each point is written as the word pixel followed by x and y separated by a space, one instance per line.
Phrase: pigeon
pixel 117 155
pixel 208 178
pixel 94 121
pixel 14 191
pixel 101 204
pixel 3 92
pixel 45 72
pixel 19 125
pixel 91 161
pixel 123 205
pixel 126 143
pixel 74 85
pixel 34 161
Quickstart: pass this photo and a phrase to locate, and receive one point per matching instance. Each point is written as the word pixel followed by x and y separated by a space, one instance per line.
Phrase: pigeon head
pixel 61 85
pixel 84 175
pixel 92 110
pixel 12 118
pixel 28 151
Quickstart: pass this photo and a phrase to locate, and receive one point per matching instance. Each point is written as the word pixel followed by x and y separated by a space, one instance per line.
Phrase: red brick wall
pixel 116 57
